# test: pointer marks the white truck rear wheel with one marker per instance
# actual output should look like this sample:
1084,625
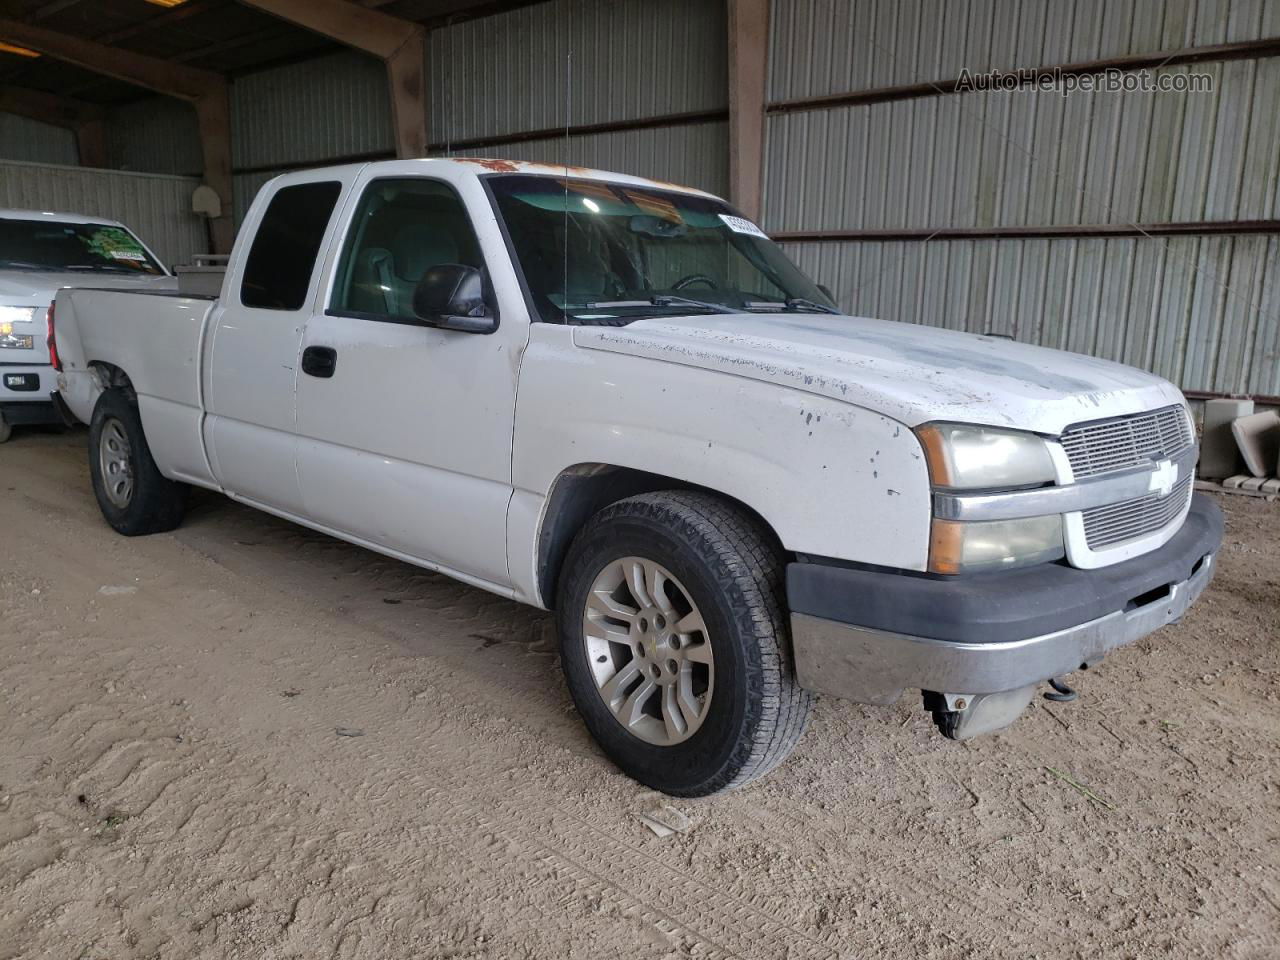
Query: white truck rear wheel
135,498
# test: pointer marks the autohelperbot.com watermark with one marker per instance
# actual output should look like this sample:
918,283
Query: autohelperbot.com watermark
1110,80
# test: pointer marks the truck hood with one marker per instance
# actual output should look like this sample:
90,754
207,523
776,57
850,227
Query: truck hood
911,373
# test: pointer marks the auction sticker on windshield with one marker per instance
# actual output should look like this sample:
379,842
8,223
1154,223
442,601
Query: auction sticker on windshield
115,244
742,225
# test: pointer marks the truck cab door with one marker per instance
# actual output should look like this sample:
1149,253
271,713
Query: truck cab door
404,429
250,431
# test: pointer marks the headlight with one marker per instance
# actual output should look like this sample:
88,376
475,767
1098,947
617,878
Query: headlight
8,317
956,547
966,457
17,314
962,456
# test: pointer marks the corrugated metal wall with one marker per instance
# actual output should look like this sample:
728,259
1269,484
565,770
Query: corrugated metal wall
32,142
306,114
1198,309
1202,311
500,76
309,112
820,47
1034,158
157,207
505,75
156,135
629,60
622,60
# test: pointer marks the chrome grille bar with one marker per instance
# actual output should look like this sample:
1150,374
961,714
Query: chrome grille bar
1108,526
1106,445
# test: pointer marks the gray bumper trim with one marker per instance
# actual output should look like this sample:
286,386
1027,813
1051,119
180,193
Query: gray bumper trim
873,666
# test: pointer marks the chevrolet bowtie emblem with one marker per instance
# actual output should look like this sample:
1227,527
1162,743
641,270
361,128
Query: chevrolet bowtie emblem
1163,477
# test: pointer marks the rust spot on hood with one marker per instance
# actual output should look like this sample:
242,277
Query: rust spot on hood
497,166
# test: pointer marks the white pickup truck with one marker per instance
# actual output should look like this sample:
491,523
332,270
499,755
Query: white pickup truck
618,399
41,252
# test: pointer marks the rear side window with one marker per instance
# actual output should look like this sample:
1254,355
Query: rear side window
284,251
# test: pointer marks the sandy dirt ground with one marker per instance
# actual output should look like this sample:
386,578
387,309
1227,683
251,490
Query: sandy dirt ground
173,783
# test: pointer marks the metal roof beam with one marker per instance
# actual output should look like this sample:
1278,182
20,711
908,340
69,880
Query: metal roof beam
401,44
47,107
163,76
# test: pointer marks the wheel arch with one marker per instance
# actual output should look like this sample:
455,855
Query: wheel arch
109,375
582,490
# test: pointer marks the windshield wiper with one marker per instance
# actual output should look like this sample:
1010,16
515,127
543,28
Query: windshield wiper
660,300
800,303
670,300
791,303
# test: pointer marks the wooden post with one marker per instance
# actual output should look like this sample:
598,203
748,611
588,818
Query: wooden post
91,143
406,82
748,71
213,111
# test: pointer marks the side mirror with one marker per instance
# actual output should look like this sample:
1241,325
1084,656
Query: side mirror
451,297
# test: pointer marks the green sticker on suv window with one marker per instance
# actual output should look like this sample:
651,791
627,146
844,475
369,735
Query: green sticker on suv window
112,243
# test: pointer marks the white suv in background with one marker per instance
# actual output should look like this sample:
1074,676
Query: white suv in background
39,253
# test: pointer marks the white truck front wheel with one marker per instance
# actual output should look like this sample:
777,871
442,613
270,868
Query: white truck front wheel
6,431
649,651
672,639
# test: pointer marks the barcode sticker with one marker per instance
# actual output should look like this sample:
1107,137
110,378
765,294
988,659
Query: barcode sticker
742,225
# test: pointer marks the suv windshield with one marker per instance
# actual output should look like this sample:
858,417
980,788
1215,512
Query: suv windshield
93,247
596,252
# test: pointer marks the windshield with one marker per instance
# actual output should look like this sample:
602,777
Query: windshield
594,252
90,247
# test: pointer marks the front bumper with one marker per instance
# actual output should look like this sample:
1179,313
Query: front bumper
868,635
27,395
24,394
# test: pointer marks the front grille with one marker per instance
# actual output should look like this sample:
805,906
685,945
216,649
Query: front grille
1107,445
1118,522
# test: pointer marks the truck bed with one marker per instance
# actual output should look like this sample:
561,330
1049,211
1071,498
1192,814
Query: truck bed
159,337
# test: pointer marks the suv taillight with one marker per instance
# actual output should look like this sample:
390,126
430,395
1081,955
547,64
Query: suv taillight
52,341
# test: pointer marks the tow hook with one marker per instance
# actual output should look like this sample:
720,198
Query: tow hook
1062,693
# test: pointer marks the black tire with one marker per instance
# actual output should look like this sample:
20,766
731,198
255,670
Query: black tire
6,431
156,504
733,571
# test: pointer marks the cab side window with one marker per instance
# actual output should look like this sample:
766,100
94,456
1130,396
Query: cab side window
283,256
401,229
